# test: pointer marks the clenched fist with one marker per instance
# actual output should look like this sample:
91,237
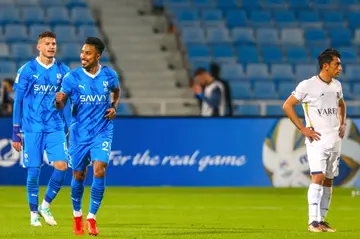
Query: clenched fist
60,97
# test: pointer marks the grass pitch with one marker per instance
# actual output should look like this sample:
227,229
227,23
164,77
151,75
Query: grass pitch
188,213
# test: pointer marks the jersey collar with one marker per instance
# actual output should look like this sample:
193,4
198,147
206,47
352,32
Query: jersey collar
91,75
43,65
319,77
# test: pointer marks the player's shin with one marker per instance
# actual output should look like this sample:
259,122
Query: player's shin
77,191
54,186
314,197
325,202
97,193
32,187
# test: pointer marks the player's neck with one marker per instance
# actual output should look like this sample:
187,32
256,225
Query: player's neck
325,77
45,60
93,70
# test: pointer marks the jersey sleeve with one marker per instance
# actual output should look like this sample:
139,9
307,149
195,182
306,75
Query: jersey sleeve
67,83
300,92
20,86
341,94
116,82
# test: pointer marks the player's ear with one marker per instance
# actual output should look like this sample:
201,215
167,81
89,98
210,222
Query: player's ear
98,56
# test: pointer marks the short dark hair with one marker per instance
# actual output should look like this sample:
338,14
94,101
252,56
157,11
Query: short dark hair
327,56
47,34
96,42
200,71
10,81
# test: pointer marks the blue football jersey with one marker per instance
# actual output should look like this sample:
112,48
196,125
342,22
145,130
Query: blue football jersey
35,91
90,98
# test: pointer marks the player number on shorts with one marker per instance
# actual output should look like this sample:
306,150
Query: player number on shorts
105,146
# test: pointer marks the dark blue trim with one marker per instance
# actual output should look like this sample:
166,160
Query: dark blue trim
317,172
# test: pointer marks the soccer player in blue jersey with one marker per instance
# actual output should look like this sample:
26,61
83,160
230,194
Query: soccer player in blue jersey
38,126
95,94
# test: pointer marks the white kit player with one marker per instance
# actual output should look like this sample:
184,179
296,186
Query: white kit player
325,114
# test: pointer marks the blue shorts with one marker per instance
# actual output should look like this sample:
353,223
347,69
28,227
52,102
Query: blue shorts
81,155
35,144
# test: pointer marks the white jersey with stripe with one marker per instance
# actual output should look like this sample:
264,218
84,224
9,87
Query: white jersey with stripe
320,102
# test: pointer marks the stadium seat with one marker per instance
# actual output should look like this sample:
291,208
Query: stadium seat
340,37
356,91
309,19
36,29
285,19
26,3
305,71
346,88
243,36
232,72
296,55
299,4
272,54
6,2
256,72
9,15
7,67
51,3
247,110
323,5
282,72
247,54
241,90
275,4
22,51
4,51
69,52
212,17
223,53
65,33
316,37
248,5
265,90
198,52
353,72
75,3
274,110
199,64
333,19
349,5
285,89
292,37
352,110
186,17
353,20
267,36
203,3
88,31
349,54
260,18
236,18
226,4
193,35
315,52
58,16
15,33
33,15
81,16
124,109
217,35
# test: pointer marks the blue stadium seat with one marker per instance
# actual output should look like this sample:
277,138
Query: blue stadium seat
186,17
292,37
353,19
243,36
247,110
88,31
198,51
232,72
333,19
203,3
316,37
124,109
265,90
75,3
349,5
346,89
26,3
275,4
69,52
226,4
65,33
340,37
250,4
309,19
193,35
305,71
105,56
58,16
241,90
256,72
267,36
272,54
353,72
299,4
15,33
247,54
260,18
34,31
217,35
9,15
194,64
285,89
274,110
352,110
349,55
236,18
285,19
22,51
296,55
324,5
51,3
356,91
6,2
81,16
7,67
282,72
223,53
212,17
4,51
33,15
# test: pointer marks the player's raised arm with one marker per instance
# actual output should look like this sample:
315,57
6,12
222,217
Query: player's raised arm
21,86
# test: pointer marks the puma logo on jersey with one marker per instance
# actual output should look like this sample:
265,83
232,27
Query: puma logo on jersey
36,76
82,86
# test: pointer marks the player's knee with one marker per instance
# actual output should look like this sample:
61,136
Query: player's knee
328,182
79,175
61,165
99,169
318,178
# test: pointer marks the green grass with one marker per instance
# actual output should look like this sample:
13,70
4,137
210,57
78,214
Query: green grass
188,213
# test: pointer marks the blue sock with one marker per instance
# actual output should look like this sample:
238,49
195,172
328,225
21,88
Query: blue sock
32,188
54,186
77,191
97,193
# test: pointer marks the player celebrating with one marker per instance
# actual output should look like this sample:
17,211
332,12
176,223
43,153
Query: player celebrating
41,124
89,88
325,114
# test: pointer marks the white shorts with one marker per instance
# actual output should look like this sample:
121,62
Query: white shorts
324,160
